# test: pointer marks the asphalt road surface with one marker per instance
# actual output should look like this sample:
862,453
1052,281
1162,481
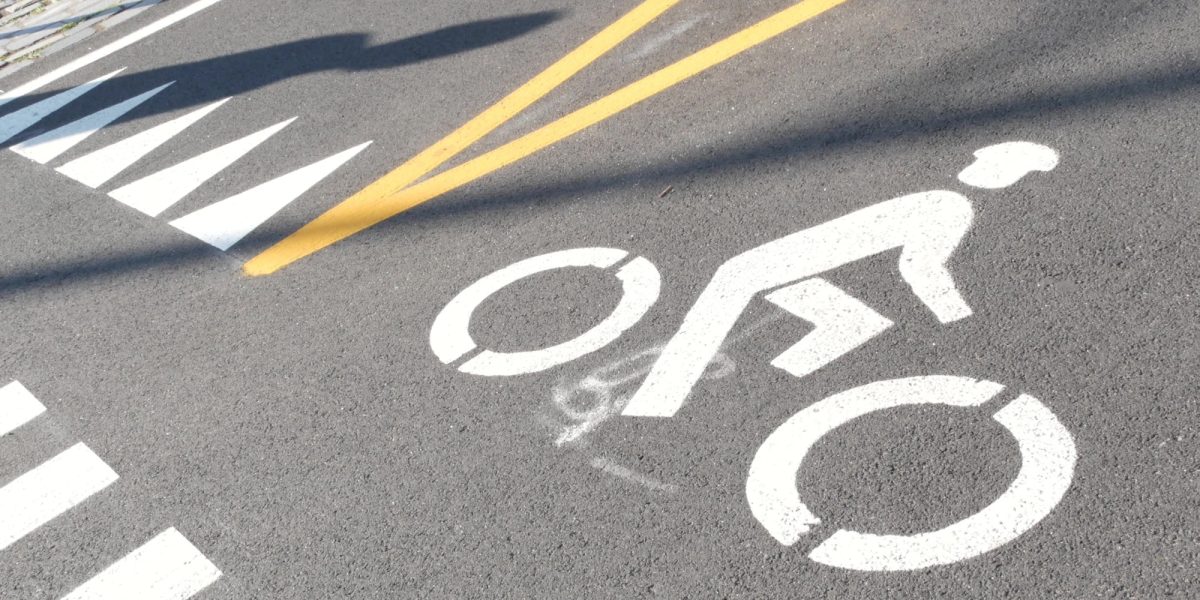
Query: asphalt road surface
900,299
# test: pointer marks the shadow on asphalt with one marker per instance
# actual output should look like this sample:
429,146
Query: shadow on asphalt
890,117
238,73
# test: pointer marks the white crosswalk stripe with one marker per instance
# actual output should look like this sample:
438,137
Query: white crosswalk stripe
17,407
225,223
167,567
48,146
18,121
95,169
59,484
155,193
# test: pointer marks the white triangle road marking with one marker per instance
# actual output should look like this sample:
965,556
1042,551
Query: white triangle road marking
20,120
155,193
95,169
48,146
225,223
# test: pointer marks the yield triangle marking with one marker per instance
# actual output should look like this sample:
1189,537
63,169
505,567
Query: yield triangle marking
48,146
95,169
225,223
155,193
18,121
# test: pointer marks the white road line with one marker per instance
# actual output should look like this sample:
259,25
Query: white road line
49,490
16,122
48,146
17,407
225,223
105,51
167,567
155,193
95,169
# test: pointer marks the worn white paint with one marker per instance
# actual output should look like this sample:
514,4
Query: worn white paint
451,339
1047,467
105,51
95,169
225,223
17,407
617,470
155,193
1002,165
54,487
771,484
20,120
927,227
167,567
842,323
48,146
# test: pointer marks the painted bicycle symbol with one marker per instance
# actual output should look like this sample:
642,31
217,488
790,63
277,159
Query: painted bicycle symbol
927,227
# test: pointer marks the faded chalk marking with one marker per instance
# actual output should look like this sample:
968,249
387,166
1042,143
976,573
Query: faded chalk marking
653,44
616,470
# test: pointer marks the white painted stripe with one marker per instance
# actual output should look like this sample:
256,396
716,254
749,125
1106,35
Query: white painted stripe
16,122
167,567
49,490
17,407
95,169
48,146
155,193
105,51
225,223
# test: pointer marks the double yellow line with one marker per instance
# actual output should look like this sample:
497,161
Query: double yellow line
395,193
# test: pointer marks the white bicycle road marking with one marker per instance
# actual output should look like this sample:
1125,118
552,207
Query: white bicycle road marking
166,568
1048,458
1047,468
927,227
451,339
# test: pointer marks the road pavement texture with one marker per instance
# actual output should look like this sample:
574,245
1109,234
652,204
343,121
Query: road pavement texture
933,196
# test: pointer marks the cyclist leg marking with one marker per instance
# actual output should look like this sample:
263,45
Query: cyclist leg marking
451,339
842,323
1047,467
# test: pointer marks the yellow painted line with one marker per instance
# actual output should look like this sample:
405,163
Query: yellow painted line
364,210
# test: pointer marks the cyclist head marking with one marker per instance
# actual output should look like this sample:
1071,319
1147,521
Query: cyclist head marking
1001,165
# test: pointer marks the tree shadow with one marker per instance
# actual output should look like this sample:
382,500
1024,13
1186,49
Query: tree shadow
238,73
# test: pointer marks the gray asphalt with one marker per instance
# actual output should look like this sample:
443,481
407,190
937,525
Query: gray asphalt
300,432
